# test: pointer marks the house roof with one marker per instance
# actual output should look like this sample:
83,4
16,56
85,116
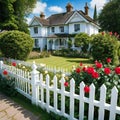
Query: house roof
62,18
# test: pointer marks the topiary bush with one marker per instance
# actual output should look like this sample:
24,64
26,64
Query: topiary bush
15,44
105,45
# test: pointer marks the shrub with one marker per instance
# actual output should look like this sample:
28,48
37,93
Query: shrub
82,40
7,86
15,44
105,45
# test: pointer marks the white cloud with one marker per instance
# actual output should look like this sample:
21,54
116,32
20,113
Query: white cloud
39,7
55,9
99,4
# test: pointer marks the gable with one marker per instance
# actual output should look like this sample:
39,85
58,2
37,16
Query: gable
76,17
35,22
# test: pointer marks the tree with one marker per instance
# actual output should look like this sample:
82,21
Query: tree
95,14
109,18
13,12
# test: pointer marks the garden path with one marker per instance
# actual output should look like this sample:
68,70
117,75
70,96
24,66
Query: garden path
9,110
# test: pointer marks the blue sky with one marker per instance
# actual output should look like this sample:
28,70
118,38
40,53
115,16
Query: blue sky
58,6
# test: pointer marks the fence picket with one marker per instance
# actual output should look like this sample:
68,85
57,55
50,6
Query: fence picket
55,93
102,102
81,101
72,92
114,96
91,102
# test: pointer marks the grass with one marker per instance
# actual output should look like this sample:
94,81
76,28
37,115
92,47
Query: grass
25,103
62,62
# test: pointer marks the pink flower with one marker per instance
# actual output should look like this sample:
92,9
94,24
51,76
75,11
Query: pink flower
117,70
107,71
115,33
66,84
5,72
78,70
86,89
95,75
108,60
14,64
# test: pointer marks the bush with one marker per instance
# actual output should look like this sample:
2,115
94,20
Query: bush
105,45
82,40
15,44
37,55
7,86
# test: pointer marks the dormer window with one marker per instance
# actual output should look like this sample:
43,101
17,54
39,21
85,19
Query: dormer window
35,30
61,28
53,29
76,27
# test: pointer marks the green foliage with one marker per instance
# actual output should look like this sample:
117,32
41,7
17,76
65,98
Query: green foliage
82,40
105,46
15,44
71,53
107,22
7,86
13,13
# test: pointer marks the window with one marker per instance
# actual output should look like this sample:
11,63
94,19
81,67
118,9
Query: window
36,30
76,27
36,43
62,29
53,29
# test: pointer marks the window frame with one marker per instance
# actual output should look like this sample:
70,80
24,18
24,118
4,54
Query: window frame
76,27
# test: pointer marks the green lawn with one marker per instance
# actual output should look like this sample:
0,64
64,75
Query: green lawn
62,62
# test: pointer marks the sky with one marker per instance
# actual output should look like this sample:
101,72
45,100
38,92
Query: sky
50,7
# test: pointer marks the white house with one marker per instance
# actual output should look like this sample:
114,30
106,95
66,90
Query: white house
54,32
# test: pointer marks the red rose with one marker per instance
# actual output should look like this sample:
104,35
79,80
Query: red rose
90,70
107,71
84,69
77,70
98,65
95,75
86,89
103,33
5,72
117,70
81,64
66,84
13,63
108,60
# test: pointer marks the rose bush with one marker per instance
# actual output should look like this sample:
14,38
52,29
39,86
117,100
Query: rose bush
97,74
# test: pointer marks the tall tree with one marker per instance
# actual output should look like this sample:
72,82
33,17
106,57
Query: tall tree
109,18
95,14
14,14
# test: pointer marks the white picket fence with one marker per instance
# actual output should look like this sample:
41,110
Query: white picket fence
42,66
38,90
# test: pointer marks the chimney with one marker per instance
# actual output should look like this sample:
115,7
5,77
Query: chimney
42,16
86,9
69,7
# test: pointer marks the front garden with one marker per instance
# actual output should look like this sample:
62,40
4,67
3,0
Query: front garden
99,65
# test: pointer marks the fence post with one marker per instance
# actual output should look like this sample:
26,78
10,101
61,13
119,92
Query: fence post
35,88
